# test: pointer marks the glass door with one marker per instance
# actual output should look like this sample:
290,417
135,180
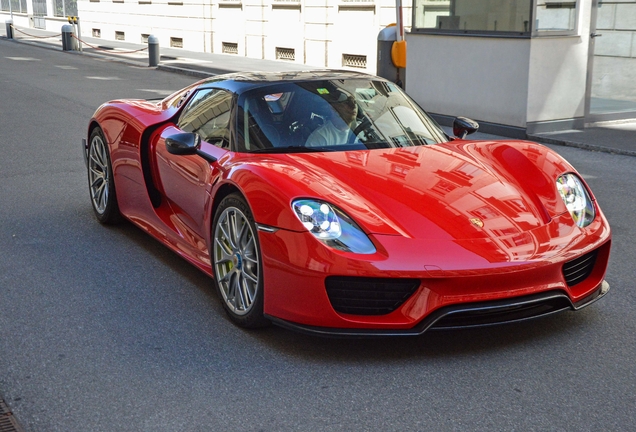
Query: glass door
611,83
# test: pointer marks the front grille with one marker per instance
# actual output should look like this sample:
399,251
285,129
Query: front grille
368,296
577,270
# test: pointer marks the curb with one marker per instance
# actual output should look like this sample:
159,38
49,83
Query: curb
190,72
576,144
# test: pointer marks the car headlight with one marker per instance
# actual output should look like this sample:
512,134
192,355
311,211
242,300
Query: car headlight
332,226
576,199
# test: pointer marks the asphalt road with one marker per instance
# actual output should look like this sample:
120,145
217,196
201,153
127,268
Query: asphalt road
104,329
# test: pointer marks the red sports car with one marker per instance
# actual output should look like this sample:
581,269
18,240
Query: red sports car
329,202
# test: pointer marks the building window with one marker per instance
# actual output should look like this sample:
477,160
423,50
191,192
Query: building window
120,36
519,18
63,8
144,38
555,16
176,42
229,48
353,60
17,6
97,33
285,54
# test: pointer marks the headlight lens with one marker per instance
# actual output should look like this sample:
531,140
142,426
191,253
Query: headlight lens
332,226
576,199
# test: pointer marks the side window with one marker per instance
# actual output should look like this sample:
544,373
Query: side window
208,115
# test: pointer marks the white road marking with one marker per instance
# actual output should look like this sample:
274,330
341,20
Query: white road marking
102,78
65,67
587,176
159,92
23,58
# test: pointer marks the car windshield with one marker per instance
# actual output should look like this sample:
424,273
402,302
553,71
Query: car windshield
331,115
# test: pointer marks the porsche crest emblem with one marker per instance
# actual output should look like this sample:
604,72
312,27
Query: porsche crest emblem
477,222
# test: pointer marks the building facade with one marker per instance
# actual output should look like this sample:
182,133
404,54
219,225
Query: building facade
324,33
516,65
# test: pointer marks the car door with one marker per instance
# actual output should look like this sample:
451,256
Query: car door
186,179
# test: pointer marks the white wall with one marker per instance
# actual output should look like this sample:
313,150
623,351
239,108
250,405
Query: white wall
163,18
319,31
478,77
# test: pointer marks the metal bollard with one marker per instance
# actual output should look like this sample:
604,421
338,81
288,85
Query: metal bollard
9,23
153,51
68,42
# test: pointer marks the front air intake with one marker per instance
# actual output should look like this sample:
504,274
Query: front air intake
577,270
368,296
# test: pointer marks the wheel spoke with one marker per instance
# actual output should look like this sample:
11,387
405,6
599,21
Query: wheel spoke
250,277
226,235
104,196
247,295
241,233
250,259
225,250
226,277
234,230
239,299
96,163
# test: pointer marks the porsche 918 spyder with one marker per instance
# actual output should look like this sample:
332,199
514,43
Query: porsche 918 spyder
331,203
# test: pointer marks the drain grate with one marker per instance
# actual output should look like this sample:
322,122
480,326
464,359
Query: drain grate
8,423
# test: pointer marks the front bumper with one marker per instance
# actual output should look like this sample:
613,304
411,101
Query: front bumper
469,315
454,277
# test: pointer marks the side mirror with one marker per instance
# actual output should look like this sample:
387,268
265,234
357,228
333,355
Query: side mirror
187,144
183,144
463,126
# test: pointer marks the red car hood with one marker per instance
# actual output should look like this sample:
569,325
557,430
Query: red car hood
455,191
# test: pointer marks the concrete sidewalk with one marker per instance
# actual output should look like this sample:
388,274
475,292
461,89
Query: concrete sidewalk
612,137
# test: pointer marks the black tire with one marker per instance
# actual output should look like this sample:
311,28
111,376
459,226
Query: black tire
236,262
101,185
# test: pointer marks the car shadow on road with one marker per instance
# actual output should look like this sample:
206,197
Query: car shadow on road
433,344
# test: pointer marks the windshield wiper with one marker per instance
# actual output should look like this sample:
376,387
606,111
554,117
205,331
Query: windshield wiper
292,149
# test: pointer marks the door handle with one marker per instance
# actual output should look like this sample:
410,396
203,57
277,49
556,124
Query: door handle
595,35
